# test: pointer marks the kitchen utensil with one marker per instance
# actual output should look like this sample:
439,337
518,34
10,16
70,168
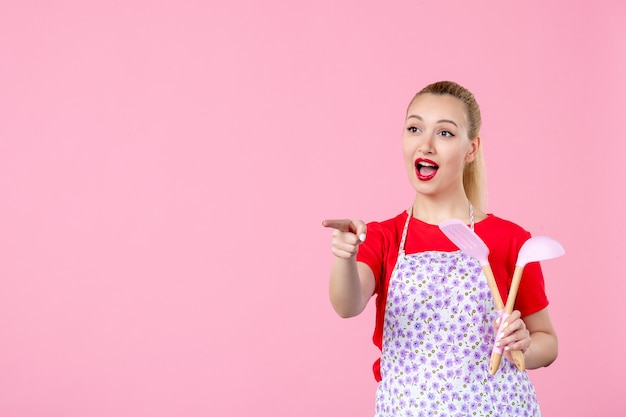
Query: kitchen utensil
537,248
470,243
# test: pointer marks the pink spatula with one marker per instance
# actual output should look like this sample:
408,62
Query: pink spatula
470,243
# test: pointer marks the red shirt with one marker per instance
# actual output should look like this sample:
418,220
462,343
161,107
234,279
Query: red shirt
503,238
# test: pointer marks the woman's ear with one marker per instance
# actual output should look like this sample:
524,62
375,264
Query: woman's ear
474,147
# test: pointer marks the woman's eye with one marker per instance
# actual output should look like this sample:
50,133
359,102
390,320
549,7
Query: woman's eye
446,133
412,129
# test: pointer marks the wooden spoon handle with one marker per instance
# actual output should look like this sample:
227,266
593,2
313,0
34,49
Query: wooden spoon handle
518,359
496,358
518,356
493,287
494,363
517,278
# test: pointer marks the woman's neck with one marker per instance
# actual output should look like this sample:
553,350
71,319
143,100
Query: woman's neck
434,211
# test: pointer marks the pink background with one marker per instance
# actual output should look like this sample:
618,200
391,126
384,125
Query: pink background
165,165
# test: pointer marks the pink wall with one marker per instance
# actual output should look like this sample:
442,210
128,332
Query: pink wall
164,167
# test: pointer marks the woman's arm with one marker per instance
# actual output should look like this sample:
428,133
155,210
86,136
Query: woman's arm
352,283
544,346
534,335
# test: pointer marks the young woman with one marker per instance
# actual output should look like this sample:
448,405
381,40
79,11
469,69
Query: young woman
435,317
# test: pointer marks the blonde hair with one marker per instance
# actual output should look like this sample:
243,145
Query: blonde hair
474,178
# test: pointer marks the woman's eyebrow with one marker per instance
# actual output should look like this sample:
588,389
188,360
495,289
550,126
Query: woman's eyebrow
447,121
438,121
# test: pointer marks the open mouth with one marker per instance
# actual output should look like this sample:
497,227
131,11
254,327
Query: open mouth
425,169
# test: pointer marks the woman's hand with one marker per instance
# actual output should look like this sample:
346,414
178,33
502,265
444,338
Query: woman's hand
513,334
352,283
346,237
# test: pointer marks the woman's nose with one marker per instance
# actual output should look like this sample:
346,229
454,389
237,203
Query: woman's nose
426,144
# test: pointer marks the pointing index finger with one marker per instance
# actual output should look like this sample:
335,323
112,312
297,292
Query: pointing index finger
344,225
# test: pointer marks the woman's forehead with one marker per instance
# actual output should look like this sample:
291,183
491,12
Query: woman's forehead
438,106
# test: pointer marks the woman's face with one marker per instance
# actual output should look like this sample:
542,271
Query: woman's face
436,145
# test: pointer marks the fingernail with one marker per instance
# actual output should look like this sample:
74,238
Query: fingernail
498,320
507,348
501,335
498,344
505,324
362,237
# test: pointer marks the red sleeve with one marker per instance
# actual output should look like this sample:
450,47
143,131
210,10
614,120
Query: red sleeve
371,252
380,249
380,252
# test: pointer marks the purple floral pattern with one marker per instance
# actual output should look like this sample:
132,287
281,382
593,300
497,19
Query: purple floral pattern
437,342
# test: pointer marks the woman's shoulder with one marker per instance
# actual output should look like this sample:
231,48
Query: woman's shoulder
498,229
382,240
387,231
390,225
493,222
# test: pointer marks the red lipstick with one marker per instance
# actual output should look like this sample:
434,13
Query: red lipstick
425,169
